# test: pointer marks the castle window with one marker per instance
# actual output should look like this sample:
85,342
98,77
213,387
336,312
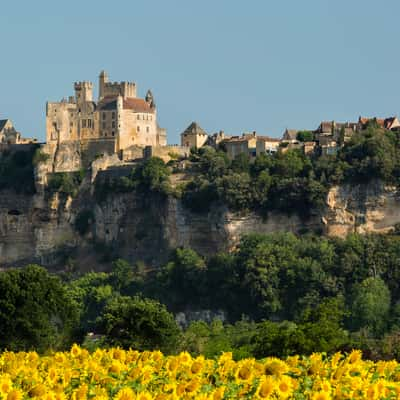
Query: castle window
104,125
113,124
138,116
113,115
113,133
138,128
147,129
104,115
89,123
84,123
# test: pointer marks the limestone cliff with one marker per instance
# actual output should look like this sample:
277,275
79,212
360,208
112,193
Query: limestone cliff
40,228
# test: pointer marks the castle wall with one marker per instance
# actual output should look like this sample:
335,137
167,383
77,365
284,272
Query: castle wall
91,149
134,131
108,123
166,153
60,122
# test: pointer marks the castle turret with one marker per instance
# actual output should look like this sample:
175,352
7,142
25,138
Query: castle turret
150,99
83,91
103,79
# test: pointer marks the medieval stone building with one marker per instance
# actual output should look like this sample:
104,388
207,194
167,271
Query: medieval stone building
117,121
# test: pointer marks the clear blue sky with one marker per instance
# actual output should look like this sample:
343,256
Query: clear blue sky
234,65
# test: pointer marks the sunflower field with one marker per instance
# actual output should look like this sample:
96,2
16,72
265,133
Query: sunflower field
128,375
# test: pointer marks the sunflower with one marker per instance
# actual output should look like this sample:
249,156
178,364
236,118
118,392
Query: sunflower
5,385
218,393
275,366
125,394
244,373
266,387
14,394
284,387
144,396
75,350
321,396
38,391
354,356
192,386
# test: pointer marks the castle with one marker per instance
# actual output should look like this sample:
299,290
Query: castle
116,122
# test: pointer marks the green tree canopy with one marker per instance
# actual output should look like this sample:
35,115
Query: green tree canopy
370,306
138,323
36,311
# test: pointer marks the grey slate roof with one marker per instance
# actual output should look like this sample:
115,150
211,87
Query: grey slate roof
3,123
195,129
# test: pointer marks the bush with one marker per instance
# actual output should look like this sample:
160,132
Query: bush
16,171
142,324
40,157
66,183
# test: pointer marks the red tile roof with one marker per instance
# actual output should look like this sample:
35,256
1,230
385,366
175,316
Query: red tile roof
137,105
383,123
134,104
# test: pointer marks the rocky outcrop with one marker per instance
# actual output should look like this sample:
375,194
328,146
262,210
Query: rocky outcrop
373,208
40,228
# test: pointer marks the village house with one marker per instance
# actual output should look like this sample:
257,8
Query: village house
194,136
267,145
391,123
245,144
9,135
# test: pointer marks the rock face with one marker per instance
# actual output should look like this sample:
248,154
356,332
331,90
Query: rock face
371,208
40,228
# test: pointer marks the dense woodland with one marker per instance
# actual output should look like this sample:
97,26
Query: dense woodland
282,294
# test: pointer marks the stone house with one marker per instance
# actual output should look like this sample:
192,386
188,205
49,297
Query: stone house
267,145
235,145
9,135
391,123
290,136
194,136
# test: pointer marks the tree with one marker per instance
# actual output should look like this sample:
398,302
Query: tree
36,311
91,292
235,190
305,136
153,175
139,323
370,306
122,274
371,154
185,275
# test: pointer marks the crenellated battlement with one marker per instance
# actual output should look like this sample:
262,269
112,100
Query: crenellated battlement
124,89
83,84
